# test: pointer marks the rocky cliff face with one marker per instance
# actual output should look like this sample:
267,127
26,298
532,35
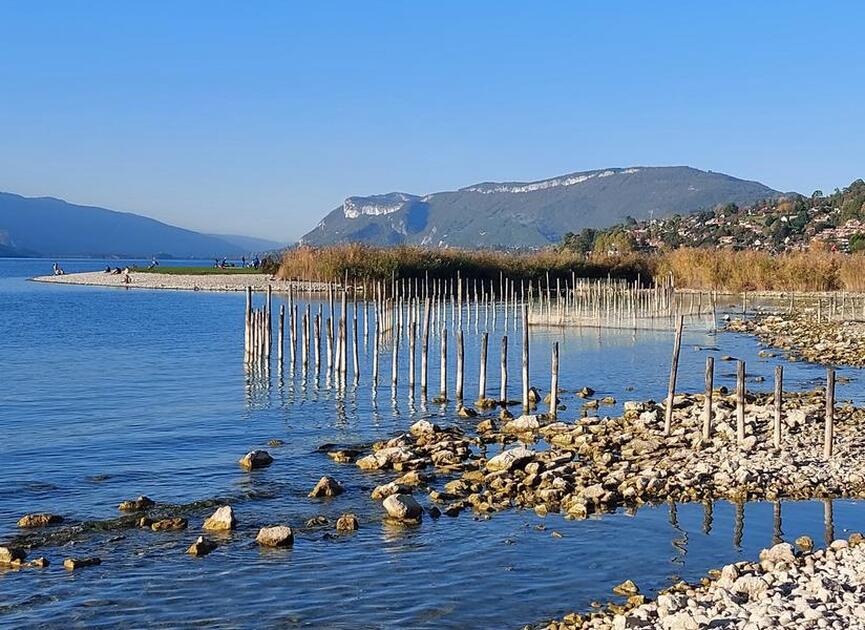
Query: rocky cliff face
530,214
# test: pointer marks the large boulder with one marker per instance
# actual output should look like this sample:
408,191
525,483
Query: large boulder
276,536
39,520
403,507
386,489
423,427
221,520
326,487
523,424
255,459
511,458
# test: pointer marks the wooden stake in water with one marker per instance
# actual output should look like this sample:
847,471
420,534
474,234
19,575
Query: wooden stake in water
316,336
443,372
503,393
674,369
554,381
779,393
424,349
375,357
740,401
525,359
707,401
412,333
394,366
482,374
829,428
460,367
280,337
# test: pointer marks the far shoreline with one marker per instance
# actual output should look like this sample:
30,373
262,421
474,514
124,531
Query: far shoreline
214,282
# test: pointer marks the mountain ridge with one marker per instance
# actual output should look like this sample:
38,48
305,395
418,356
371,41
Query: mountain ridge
530,213
51,227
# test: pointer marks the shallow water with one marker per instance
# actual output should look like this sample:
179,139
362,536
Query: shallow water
111,393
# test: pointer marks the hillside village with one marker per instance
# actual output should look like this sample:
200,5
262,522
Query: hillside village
782,224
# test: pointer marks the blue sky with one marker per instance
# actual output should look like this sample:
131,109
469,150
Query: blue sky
259,117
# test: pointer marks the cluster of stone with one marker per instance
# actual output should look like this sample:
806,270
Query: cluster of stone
786,588
826,342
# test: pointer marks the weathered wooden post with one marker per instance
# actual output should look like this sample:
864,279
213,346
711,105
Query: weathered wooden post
443,372
779,393
674,368
424,349
329,347
707,402
503,393
412,330
525,359
304,350
829,428
460,367
280,336
740,401
394,364
292,334
482,374
354,354
375,356
247,329
554,381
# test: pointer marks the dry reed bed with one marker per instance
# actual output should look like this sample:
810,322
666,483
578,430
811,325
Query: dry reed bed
707,269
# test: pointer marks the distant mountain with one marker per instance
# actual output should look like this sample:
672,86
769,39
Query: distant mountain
44,226
251,244
531,214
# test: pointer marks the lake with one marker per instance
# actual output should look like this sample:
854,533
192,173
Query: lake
107,394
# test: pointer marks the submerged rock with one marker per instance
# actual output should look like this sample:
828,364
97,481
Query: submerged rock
136,505
276,536
221,520
169,524
403,507
347,523
201,547
72,564
255,459
39,520
326,487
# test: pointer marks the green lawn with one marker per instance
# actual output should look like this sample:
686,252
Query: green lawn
200,271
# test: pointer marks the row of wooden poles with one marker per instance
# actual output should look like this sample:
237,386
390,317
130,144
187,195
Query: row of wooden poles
618,304
388,325
829,418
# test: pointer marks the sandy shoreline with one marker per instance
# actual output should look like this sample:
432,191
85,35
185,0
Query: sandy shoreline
210,282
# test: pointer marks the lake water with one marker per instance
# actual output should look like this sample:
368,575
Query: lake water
106,394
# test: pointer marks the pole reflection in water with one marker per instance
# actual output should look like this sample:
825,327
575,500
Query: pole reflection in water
739,525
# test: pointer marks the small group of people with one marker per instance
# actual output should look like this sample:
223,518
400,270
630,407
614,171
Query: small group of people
254,263
58,270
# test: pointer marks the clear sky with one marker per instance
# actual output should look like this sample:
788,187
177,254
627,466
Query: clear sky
259,117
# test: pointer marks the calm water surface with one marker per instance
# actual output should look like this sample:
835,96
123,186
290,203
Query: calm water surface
106,394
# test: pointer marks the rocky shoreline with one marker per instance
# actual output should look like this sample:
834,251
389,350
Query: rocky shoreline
801,337
601,464
494,462
786,588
